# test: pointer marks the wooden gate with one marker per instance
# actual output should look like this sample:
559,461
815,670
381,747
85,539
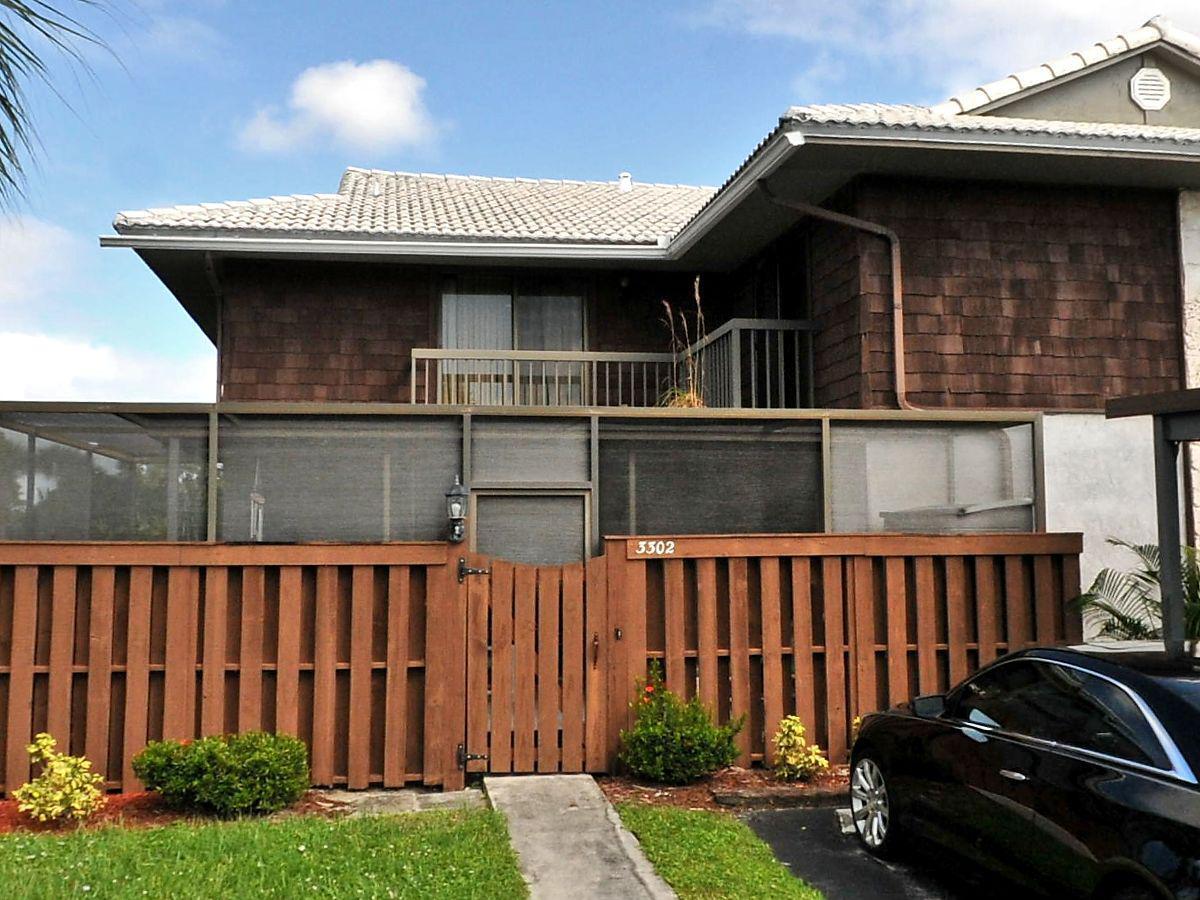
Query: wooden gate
537,656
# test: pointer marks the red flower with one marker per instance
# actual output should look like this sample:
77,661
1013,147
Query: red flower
649,689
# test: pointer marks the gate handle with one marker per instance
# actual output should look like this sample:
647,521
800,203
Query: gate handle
595,649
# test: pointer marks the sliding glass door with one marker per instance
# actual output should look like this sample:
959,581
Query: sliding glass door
502,313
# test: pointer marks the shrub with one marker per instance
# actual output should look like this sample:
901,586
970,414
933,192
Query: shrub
67,788
673,742
795,758
233,774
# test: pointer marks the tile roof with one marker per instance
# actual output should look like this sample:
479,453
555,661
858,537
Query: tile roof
923,118
1159,29
378,204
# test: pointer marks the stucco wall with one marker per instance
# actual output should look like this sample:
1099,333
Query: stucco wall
1100,481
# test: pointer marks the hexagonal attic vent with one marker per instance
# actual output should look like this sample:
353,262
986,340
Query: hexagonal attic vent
1150,89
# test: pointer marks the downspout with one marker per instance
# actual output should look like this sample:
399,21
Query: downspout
893,239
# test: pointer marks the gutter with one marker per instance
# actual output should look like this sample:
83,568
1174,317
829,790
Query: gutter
343,247
893,239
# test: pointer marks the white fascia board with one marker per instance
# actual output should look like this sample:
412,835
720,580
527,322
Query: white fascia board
745,182
350,247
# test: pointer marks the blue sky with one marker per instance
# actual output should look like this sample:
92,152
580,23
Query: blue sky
211,100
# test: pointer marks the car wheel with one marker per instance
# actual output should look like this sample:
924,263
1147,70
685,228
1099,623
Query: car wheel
872,808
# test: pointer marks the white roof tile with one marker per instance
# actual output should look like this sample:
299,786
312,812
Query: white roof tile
406,205
1158,29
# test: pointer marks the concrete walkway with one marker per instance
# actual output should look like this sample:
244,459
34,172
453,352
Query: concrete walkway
570,842
393,802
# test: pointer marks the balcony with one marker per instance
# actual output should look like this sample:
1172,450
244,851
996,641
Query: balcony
744,364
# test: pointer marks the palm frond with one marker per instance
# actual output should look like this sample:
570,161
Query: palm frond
28,28
1127,605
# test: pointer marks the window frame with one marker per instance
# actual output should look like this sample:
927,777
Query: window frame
519,284
1178,766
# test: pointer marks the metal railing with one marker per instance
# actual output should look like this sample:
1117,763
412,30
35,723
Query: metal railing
745,363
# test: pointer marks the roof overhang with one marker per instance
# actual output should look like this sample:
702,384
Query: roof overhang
805,161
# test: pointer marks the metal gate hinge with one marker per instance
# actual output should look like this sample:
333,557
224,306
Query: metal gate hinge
464,570
464,757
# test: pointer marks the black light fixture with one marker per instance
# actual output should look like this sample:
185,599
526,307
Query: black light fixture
456,510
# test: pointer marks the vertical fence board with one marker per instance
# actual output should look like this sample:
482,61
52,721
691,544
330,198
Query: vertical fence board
896,594
250,664
99,672
986,608
212,679
548,695
1071,588
287,662
180,673
832,595
956,617
325,675
1018,603
500,750
802,643
20,676
673,610
865,686
62,650
396,678
927,670
595,689
525,606
362,597
1045,598
137,671
706,630
739,652
445,676
772,657
477,670
572,668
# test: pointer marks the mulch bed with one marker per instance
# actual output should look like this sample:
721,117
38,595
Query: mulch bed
144,809
733,788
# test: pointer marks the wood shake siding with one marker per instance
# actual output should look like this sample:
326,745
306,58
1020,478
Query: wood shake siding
323,331
1019,296
838,341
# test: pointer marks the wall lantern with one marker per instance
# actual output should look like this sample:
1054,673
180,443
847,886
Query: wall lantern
456,510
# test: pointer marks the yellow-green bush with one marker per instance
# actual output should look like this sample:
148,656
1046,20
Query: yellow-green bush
67,788
795,758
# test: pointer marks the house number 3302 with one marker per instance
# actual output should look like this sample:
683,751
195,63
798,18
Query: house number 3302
656,548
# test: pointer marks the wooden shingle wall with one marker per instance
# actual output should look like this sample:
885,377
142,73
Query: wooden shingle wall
323,330
1021,296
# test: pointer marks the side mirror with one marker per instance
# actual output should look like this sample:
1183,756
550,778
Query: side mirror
930,706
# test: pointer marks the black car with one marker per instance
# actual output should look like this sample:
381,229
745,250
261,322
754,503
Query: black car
1072,772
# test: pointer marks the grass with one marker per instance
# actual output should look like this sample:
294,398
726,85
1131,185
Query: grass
710,855
431,854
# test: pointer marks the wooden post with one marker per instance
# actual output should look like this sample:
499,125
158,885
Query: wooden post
1166,480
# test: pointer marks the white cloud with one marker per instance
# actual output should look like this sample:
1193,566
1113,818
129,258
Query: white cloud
371,106
948,45
39,366
38,263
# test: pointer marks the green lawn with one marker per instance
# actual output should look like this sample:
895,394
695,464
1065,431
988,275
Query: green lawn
710,855
431,854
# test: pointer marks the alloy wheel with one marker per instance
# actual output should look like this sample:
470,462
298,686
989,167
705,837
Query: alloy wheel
869,803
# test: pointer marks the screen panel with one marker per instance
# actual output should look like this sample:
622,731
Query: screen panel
350,478
709,478
944,478
531,528
103,476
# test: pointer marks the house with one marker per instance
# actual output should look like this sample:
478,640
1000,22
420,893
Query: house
956,288
889,322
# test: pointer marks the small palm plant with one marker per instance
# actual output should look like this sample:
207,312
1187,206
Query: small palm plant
1127,605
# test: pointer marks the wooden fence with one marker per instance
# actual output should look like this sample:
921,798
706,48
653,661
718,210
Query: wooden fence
395,668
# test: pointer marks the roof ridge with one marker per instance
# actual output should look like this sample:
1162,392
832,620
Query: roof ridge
1158,29
506,179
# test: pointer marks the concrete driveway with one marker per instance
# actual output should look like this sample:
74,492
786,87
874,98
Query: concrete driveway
811,843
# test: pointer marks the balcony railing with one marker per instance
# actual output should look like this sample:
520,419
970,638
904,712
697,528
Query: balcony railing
757,363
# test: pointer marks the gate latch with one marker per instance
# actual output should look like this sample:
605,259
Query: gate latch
464,570
464,757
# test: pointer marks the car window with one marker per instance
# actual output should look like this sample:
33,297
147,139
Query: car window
1060,704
